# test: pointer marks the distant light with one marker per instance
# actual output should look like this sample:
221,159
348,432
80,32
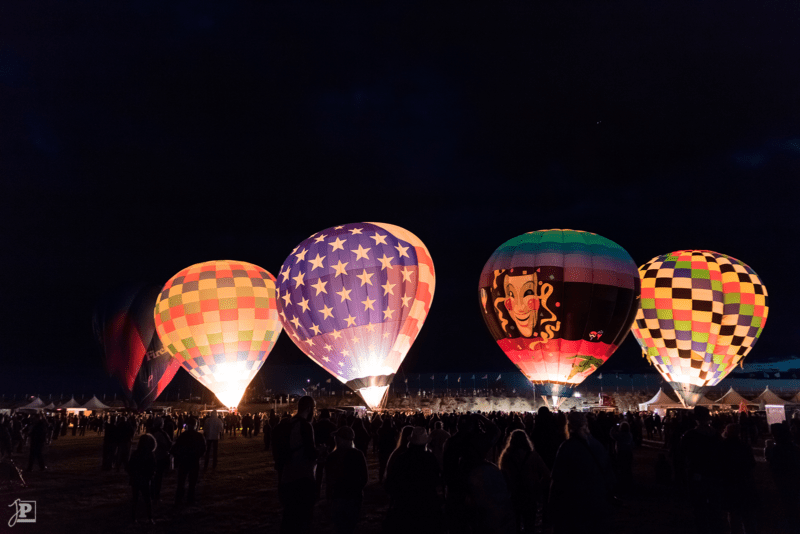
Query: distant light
577,394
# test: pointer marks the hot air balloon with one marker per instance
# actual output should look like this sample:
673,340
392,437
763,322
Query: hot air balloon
701,314
559,303
353,298
220,320
133,354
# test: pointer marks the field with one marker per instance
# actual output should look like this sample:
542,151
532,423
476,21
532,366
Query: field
75,496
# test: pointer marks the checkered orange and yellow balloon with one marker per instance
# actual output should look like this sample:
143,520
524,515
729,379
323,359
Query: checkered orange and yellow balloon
220,319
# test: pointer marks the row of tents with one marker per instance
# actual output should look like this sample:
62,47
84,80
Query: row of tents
37,404
730,399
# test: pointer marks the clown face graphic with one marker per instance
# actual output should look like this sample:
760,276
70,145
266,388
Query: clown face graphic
522,302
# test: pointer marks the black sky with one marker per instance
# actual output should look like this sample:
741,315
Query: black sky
138,139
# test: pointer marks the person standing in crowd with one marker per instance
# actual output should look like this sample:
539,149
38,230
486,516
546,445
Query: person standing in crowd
623,454
784,462
299,454
38,437
347,475
163,446
411,481
188,449
169,427
699,449
527,477
212,430
387,441
141,468
739,495
436,441
323,437
581,461
256,424
125,430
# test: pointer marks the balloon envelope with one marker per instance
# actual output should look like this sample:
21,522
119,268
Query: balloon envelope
559,303
220,320
133,353
353,298
701,314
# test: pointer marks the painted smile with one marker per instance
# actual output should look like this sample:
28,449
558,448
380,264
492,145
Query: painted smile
522,319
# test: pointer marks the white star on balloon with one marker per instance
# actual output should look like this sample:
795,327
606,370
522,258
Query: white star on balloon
368,304
298,280
337,245
340,268
370,327
379,239
304,304
320,287
320,238
406,275
287,299
285,274
386,262
336,334
401,250
317,262
315,329
326,311
405,301
361,252
350,320
296,322
388,289
355,231
344,293
387,313
365,277
301,255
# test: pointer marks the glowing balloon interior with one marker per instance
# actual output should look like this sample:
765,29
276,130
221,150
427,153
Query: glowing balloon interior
220,319
559,303
353,298
133,353
701,314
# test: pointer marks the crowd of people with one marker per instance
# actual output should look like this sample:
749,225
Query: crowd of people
453,472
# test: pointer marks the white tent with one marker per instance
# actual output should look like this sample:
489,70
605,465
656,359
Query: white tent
50,406
71,403
661,400
705,402
731,398
95,404
35,404
768,397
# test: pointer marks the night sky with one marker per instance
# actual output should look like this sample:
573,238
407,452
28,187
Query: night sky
137,140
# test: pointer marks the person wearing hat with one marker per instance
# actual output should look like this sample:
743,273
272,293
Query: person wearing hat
412,483
346,470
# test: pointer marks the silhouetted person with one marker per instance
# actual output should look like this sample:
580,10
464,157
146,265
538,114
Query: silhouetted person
297,486
212,430
411,481
784,462
141,470
163,446
188,449
738,481
700,452
387,441
124,432
38,437
526,475
346,469
436,441
623,454
362,435
581,461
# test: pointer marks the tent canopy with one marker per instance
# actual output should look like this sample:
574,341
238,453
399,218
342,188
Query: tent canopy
660,400
35,404
731,398
95,404
71,403
768,397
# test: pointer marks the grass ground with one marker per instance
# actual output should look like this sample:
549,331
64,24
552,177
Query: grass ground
73,496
